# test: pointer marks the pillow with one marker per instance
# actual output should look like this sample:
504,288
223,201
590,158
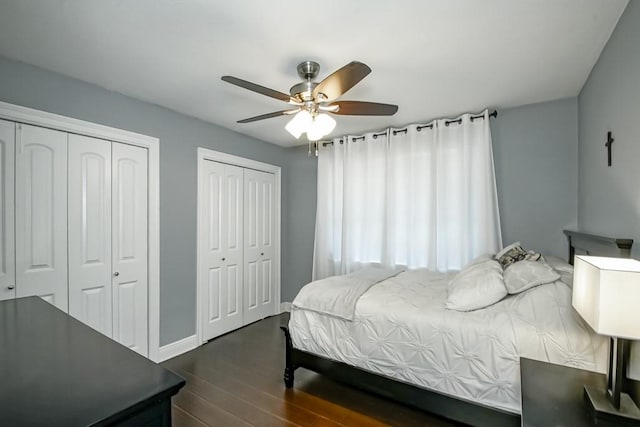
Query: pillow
562,267
514,253
507,249
476,286
558,264
533,256
523,275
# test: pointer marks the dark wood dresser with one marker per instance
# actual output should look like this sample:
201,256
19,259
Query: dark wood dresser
56,371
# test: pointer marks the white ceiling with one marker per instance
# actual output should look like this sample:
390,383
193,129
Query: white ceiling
433,58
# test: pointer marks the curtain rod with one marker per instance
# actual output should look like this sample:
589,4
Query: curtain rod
493,114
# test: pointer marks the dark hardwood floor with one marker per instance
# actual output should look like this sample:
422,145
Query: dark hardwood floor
236,380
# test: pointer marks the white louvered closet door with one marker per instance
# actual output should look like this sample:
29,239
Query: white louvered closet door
259,234
41,222
221,253
130,246
7,240
90,299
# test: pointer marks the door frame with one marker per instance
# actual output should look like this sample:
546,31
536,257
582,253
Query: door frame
30,116
205,154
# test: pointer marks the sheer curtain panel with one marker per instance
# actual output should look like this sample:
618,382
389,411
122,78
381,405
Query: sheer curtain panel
424,196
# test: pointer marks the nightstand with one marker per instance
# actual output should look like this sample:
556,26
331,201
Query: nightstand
553,395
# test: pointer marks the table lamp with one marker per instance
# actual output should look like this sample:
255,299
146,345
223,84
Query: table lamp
606,293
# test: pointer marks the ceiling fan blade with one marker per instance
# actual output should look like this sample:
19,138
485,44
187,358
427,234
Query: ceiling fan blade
257,88
269,116
359,108
342,80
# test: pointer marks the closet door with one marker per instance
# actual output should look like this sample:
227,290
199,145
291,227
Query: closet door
129,246
41,220
7,240
221,248
90,232
259,264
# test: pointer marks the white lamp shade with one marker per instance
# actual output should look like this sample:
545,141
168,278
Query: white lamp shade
606,293
299,124
322,125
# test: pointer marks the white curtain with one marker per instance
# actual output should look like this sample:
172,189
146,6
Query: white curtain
424,196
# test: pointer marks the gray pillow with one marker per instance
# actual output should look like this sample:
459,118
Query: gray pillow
523,275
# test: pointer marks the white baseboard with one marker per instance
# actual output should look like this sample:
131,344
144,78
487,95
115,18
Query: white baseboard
186,344
176,348
285,307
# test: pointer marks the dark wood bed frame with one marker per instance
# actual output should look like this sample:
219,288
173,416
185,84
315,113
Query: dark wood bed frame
447,406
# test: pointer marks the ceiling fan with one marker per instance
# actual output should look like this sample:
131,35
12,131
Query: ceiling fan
312,101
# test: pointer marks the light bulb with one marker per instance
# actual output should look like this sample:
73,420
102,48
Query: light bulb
322,125
299,124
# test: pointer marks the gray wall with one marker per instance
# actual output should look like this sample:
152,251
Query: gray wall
303,173
535,148
179,135
609,197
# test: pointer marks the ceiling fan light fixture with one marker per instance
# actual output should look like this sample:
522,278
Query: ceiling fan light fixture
322,125
299,124
313,100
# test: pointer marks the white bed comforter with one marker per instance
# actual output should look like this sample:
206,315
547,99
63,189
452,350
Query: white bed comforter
339,295
402,330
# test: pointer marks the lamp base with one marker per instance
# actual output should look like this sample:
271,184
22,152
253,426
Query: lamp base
603,410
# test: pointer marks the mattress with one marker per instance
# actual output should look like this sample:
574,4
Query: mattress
402,330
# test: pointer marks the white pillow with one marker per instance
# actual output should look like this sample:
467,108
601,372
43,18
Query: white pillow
558,264
523,275
562,267
476,286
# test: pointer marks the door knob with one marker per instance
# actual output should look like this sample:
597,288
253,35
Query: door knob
116,274
11,287
261,253
223,259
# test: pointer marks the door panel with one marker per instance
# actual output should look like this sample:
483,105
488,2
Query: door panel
259,223
7,227
90,232
251,277
267,283
211,265
129,216
214,287
41,227
233,242
126,319
220,255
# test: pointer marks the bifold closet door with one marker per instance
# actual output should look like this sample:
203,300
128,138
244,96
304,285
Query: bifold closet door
221,248
259,230
90,232
7,240
130,246
41,220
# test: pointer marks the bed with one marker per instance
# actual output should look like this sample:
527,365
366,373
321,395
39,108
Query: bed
403,344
